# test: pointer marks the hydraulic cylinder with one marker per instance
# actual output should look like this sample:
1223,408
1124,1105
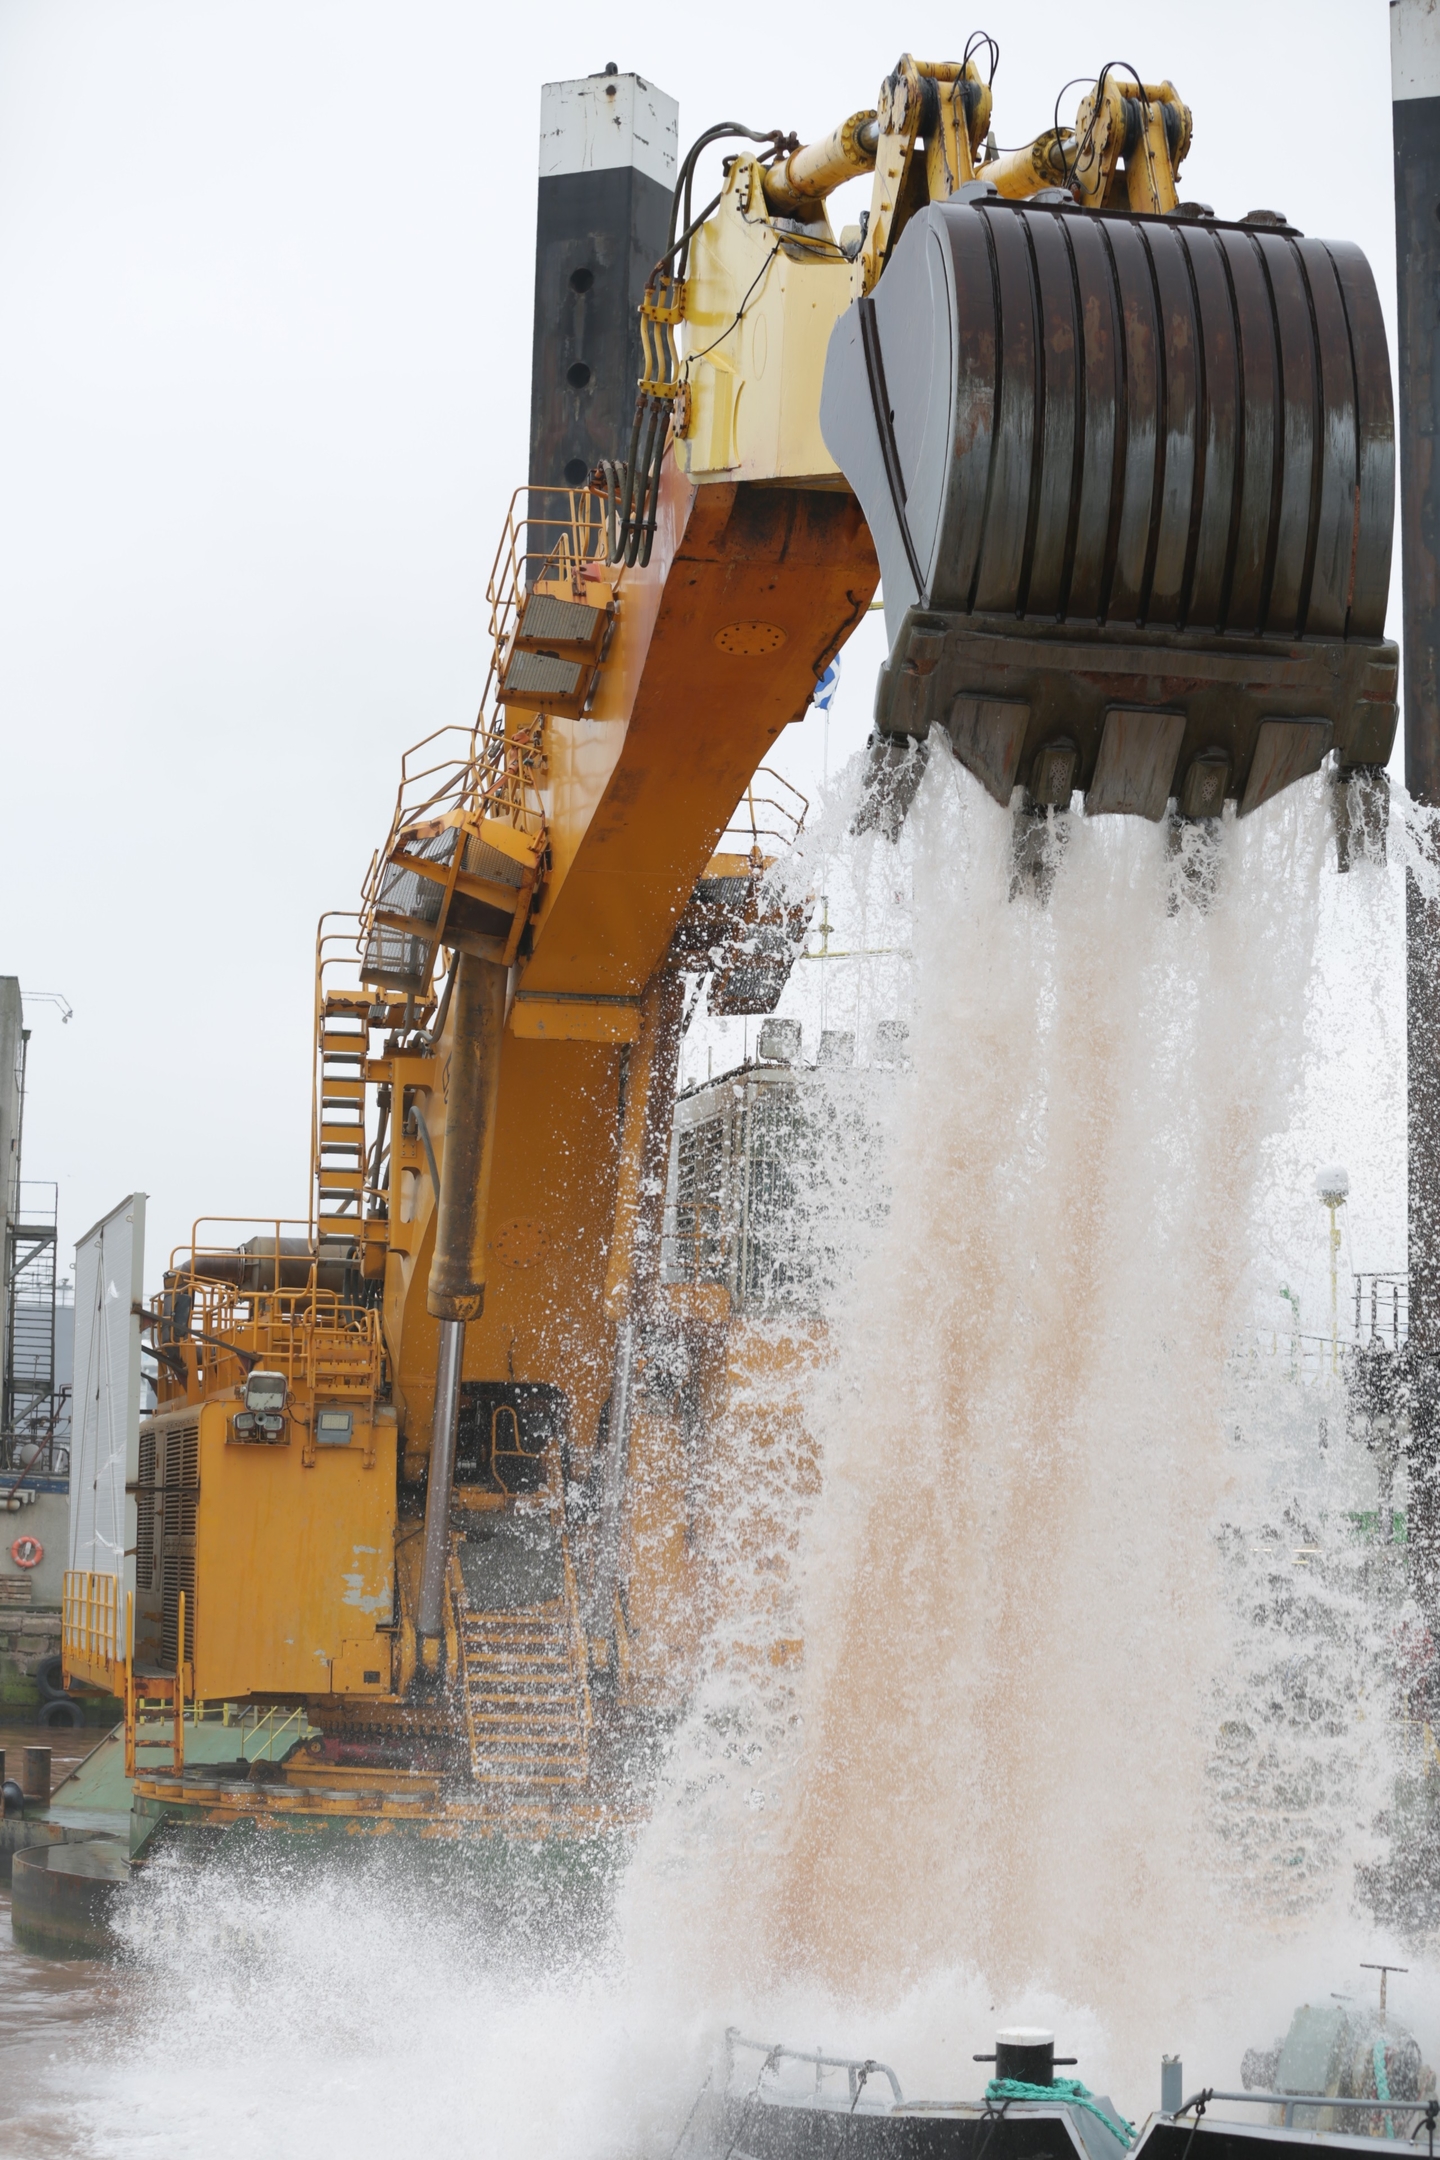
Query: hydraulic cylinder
456,1291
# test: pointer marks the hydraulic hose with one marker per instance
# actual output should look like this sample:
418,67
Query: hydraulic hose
633,489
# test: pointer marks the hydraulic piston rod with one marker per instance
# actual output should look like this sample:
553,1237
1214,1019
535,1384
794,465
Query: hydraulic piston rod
808,175
457,1272
429,1617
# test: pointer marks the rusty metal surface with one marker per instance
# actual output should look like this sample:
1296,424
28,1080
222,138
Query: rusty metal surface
1112,460
1069,678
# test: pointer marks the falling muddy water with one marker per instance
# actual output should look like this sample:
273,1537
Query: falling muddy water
1060,1749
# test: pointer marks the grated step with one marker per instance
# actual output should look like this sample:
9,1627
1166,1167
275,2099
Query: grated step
533,1660
517,1756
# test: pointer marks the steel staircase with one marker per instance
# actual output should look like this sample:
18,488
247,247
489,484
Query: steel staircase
342,1038
527,1704
553,654
342,1365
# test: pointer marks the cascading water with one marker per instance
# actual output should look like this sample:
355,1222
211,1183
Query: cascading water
1072,1736
1021,1629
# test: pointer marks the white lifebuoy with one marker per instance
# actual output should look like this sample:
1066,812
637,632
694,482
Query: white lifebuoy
27,1552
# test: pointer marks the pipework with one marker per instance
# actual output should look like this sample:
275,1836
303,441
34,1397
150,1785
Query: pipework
802,181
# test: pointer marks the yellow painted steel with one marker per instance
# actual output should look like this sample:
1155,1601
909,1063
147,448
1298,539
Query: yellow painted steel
1146,179
760,303
903,181
801,181
320,1520
1040,164
538,1017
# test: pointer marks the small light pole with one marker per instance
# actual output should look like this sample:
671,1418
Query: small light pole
1333,1189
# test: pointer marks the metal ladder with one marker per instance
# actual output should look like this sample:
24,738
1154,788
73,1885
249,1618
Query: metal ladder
527,1699
338,1159
154,1709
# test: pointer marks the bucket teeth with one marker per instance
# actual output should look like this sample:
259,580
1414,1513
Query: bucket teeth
894,767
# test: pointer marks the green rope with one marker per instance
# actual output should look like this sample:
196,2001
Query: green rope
1382,2085
1070,2092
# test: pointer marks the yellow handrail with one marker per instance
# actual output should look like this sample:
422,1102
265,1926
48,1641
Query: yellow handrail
180,1690
130,1683
90,1627
272,1730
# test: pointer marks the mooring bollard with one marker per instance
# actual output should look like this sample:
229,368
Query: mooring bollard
35,1778
1172,2084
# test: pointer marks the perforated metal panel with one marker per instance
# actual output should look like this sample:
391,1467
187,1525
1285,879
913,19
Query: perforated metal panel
176,1502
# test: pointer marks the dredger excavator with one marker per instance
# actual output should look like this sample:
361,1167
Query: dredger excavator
428,1487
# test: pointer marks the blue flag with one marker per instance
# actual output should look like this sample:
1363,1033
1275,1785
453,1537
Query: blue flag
828,684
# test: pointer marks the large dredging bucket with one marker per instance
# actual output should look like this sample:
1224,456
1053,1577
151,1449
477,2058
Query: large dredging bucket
1131,480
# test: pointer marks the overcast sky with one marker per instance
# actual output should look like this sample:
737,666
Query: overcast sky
265,273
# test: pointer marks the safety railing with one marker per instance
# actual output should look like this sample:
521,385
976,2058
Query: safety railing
457,770
1378,1320
271,1308
289,1331
185,1259
333,949
92,1629
1376,2104
771,809
452,780
1382,1309
859,2071
553,538
450,785
1312,1361
262,1730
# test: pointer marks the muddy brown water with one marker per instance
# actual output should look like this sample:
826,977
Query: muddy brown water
46,2006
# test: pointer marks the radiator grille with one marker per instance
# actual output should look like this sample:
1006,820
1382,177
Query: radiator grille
145,1513
176,1502
700,1203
